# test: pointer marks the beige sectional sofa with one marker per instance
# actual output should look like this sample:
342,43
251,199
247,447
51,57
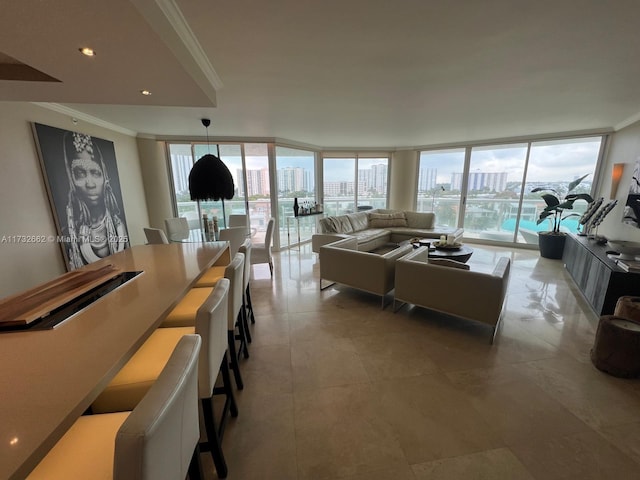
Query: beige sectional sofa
375,228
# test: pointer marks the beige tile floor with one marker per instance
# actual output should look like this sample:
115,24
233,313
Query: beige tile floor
337,388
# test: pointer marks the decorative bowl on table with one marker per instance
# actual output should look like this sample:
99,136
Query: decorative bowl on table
420,242
447,246
628,250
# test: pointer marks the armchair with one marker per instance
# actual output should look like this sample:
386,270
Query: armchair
342,262
456,291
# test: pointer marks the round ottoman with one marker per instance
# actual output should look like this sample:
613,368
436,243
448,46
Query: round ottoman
616,349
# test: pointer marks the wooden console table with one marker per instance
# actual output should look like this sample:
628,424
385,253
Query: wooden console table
597,276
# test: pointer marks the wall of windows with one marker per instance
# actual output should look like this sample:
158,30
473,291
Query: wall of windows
487,188
249,167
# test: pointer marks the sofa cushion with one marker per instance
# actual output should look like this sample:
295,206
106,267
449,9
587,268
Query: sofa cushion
340,224
344,224
359,221
420,219
386,220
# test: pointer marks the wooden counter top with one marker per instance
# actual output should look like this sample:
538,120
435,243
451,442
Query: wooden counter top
49,378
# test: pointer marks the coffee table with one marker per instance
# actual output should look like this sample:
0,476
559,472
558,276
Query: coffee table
462,254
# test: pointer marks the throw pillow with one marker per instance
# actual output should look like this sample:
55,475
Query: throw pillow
387,220
420,219
327,226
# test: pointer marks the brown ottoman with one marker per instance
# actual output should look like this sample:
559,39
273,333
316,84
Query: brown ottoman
616,349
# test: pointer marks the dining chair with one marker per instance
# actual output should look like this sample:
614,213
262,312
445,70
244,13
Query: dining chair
183,314
158,440
262,252
177,228
235,236
239,220
129,385
155,236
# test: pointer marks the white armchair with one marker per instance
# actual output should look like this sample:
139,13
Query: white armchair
342,262
455,291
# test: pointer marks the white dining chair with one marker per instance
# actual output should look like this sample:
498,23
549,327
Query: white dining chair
177,228
235,236
155,236
261,252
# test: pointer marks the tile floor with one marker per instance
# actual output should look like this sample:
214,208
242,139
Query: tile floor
337,388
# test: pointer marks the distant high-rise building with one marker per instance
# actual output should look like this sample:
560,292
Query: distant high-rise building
338,189
373,179
427,179
293,179
257,182
181,167
481,181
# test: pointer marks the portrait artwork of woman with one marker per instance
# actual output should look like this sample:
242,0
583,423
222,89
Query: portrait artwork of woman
94,222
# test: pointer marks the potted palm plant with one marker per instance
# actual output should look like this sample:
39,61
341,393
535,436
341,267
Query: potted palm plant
551,243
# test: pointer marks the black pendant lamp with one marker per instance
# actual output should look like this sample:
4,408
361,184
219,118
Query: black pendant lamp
210,179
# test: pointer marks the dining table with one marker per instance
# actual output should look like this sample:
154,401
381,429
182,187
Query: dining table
50,377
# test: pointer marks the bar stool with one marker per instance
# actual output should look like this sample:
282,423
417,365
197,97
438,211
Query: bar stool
246,249
155,440
184,314
130,384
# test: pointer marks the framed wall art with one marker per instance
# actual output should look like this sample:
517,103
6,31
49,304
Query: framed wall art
81,176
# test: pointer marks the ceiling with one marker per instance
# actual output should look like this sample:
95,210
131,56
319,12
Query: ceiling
332,73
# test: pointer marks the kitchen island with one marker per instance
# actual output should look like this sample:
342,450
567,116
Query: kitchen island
48,378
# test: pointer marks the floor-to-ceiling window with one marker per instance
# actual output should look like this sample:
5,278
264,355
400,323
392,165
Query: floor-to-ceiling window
295,179
258,188
439,188
494,187
354,182
554,164
487,188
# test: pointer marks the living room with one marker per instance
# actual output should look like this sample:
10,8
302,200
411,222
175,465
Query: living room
325,364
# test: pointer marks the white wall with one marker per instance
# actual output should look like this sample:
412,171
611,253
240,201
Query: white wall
624,148
24,204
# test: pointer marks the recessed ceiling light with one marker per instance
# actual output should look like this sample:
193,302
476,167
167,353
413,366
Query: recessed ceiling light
145,92
89,52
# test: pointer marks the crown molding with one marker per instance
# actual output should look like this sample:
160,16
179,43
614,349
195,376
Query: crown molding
56,107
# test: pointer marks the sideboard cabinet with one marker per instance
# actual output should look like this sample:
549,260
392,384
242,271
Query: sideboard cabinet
597,276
